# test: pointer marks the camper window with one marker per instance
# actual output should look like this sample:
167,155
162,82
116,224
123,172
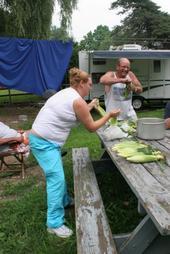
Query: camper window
96,77
99,62
157,66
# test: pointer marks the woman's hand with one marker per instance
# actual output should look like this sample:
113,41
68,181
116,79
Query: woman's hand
93,103
114,113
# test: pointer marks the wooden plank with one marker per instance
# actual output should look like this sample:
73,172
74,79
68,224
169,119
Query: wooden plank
93,232
159,170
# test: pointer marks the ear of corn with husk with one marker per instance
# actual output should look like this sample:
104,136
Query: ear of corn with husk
102,112
137,152
143,158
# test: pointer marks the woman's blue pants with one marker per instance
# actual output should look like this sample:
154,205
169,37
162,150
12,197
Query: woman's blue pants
48,155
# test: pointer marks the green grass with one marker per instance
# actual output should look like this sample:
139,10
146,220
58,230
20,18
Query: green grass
23,203
151,113
15,96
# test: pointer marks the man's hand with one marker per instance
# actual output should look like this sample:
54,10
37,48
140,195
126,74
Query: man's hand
126,80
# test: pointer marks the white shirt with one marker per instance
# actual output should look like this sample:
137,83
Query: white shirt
57,116
7,132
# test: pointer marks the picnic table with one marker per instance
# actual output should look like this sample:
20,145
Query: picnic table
150,183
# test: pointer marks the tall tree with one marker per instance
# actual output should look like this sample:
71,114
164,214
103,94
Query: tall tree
144,23
59,33
100,39
32,19
66,8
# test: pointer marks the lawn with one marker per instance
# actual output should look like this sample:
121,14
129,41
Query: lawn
14,96
23,202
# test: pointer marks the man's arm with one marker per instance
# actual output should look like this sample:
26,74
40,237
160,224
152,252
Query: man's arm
109,78
135,84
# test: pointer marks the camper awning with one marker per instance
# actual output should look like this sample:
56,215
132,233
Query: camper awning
142,54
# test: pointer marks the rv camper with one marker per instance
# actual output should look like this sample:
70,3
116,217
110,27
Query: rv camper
152,67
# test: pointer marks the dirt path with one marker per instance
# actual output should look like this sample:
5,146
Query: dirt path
11,115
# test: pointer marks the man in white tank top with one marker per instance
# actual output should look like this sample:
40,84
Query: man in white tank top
119,86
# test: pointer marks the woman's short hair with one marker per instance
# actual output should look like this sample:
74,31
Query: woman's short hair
76,75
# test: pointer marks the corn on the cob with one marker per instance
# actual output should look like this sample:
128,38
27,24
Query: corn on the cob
143,158
102,112
137,152
127,152
126,92
128,144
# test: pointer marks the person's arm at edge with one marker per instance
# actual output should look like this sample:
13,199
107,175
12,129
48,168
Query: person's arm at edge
10,140
82,112
167,123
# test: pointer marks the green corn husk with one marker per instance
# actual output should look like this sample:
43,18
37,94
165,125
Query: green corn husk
102,112
127,152
128,144
126,93
137,152
143,158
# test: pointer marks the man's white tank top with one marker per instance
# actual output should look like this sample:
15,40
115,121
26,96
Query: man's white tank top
119,98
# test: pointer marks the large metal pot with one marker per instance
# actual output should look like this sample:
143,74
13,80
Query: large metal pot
151,128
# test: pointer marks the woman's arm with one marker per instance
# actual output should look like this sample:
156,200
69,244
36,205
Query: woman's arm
82,112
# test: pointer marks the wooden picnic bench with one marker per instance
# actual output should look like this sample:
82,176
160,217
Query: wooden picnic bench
16,163
150,182
92,229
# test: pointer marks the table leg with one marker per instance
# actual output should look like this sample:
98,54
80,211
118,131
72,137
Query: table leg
140,238
141,209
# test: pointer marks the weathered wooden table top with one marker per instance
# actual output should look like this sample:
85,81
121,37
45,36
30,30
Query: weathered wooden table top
150,182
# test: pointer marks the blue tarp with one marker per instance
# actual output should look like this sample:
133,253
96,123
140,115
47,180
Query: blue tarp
33,66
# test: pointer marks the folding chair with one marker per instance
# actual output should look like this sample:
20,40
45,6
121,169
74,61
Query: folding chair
6,166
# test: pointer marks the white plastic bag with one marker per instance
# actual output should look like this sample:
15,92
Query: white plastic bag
113,132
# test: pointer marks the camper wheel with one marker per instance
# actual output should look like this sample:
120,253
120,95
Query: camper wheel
137,103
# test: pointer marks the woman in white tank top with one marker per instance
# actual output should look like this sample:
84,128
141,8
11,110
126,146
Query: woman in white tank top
49,133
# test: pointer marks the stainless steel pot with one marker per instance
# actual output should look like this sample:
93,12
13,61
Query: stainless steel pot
150,128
